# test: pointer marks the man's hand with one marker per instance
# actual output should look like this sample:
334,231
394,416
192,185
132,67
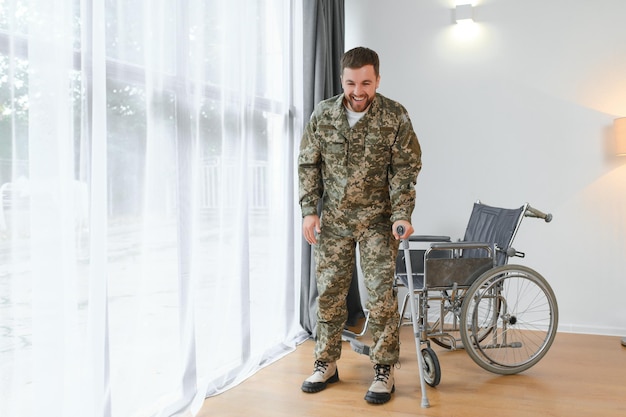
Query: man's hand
408,229
311,226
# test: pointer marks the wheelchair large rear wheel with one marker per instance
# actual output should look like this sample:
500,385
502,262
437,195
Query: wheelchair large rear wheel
515,308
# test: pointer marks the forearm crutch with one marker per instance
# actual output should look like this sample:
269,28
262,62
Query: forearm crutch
417,326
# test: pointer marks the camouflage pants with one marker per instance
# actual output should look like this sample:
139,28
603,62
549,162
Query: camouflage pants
335,259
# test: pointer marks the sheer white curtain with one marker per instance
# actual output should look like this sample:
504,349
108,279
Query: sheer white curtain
147,216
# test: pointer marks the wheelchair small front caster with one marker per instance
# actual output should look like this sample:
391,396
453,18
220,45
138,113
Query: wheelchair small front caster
432,368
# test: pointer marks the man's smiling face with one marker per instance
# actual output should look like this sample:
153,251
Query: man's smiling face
359,87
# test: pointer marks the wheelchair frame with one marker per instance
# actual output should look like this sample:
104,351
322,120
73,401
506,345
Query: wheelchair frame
467,296
504,315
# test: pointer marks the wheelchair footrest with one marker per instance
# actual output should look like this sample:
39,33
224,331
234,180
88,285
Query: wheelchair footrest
359,347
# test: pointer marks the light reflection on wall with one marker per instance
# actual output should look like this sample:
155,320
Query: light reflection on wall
466,31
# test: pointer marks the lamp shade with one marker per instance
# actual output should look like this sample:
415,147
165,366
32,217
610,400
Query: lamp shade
619,128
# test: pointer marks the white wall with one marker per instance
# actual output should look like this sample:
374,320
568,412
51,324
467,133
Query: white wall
521,111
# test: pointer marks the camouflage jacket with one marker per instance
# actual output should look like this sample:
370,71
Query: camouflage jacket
365,174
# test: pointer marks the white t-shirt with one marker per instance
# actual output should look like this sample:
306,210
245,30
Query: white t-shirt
353,116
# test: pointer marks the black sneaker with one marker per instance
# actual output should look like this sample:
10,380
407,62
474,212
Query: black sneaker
383,386
324,373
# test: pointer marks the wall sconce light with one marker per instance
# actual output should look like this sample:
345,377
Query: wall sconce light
463,13
619,128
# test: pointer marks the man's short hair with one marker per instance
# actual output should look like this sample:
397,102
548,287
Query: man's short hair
359,57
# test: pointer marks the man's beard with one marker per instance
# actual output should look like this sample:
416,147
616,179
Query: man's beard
359,106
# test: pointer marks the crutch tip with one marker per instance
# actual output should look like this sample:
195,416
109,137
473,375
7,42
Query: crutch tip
425,403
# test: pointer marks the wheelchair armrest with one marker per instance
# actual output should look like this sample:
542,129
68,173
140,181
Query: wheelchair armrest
460,245
428,238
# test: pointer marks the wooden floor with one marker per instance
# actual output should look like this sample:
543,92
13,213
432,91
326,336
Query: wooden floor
582,375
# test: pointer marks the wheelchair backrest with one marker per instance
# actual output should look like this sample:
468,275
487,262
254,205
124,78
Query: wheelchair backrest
492,225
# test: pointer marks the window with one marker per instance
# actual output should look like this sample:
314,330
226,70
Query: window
145,166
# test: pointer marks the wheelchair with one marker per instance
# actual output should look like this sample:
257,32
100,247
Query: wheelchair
465,295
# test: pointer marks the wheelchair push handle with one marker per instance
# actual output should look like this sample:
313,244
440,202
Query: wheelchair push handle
533,212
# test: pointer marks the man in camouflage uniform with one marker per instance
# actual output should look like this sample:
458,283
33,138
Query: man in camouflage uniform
360,155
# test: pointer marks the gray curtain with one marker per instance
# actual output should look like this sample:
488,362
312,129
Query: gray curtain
323,48
323,32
